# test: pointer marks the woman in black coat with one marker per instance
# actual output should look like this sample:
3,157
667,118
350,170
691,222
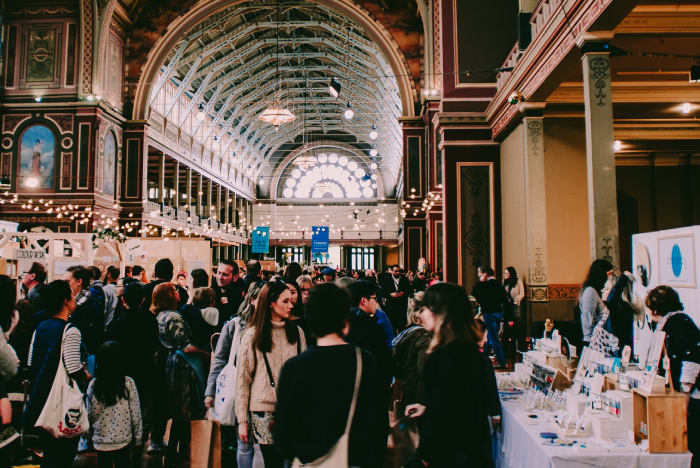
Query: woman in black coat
455,427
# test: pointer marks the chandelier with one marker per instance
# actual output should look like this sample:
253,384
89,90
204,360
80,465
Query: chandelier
276,114
321,187
305,162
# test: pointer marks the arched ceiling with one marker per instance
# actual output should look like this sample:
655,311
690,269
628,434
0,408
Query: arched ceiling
231,64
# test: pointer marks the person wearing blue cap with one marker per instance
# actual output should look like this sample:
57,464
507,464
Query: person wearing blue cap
328,275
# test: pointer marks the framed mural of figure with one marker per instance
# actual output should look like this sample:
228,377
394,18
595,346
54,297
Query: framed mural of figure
109,165
36,162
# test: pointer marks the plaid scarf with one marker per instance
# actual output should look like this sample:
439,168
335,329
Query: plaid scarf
82,297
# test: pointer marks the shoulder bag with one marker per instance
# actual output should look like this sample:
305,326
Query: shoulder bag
64,414
225,397
337,456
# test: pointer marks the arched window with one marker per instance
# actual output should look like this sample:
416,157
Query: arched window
329,176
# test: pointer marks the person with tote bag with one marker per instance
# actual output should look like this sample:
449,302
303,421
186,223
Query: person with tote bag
55,404
221,384
271,340
331,403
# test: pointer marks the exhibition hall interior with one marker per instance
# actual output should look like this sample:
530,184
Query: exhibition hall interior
535,141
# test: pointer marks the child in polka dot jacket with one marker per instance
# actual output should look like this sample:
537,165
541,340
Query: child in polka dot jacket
113,410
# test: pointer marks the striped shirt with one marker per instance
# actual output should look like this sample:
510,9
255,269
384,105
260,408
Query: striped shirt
71,350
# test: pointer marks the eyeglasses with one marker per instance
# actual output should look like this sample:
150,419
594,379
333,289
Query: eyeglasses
372,297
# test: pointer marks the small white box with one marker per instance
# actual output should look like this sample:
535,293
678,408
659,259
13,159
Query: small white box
576,404
521,368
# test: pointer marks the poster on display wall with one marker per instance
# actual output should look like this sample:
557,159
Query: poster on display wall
261,240
319,240
677,261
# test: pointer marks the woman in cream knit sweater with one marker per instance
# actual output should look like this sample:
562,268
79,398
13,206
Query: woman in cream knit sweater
260,360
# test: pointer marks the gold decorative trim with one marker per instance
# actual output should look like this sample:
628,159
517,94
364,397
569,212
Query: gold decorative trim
565,292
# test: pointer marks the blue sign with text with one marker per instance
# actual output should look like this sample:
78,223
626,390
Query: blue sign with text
261,240
319,239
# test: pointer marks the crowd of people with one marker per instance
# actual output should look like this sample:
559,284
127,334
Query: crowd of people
320,356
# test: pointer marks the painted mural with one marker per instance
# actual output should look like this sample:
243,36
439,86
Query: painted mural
36,162
109,165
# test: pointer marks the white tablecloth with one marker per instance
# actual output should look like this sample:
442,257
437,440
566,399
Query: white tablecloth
520,446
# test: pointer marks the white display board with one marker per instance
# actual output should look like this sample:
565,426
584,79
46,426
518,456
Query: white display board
666,258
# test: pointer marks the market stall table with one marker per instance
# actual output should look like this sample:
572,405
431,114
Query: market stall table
519,445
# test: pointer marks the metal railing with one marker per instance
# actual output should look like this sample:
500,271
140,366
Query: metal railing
169,212
152,206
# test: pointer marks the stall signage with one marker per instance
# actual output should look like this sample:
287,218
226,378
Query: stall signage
28,254
261,240
319,240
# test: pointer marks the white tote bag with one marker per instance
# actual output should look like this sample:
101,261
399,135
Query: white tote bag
64,414
225,397
337,456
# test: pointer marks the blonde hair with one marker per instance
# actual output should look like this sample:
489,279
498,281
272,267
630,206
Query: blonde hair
305,279
164,298
203,297
415,305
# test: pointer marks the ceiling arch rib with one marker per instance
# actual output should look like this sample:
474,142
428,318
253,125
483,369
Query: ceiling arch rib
229,62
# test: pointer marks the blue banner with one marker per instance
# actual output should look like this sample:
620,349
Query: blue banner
261,240
319,239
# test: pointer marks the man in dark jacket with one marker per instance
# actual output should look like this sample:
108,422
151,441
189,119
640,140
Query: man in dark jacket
316,390
252,276
164,270
492,298
230,290
395,290
88,316
365,330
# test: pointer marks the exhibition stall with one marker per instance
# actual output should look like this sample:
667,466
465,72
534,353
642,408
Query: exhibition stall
596,410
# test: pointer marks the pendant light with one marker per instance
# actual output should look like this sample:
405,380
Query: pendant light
349,113
373,134
200,113
334,88
275,114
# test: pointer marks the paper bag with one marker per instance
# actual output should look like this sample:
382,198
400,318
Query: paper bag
404,434
205,446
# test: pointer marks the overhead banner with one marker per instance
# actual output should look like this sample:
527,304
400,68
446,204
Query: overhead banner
319,240
261,240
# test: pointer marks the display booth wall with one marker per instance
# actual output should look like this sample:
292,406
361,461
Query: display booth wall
670,258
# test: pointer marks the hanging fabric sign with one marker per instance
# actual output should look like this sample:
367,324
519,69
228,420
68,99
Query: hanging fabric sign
319,240
261,240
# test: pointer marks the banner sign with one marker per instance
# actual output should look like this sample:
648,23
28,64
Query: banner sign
28,254
261,240
319,239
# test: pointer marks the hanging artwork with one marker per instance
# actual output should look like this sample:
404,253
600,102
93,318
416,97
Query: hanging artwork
37,158
109,165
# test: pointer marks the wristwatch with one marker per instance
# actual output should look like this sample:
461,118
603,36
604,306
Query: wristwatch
685,388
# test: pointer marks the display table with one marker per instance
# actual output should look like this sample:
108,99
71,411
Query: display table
519,446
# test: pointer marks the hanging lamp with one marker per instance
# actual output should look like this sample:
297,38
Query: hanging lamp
276,114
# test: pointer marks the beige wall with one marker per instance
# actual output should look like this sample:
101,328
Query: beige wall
514,227
567,200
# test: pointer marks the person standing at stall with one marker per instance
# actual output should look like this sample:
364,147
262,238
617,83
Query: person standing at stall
589,301
491,296
683,349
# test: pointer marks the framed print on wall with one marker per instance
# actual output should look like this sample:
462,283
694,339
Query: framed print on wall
677,261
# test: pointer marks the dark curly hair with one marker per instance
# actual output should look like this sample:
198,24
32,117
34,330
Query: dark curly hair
663,300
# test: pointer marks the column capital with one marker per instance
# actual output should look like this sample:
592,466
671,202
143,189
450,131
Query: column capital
532,109
592,41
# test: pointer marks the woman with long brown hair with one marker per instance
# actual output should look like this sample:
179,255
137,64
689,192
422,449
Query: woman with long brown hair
269,342
183,365
455,431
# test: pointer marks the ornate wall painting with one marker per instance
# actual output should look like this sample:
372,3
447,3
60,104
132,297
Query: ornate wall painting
109,165
37,158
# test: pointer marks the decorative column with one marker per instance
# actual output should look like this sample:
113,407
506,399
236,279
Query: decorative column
134,187
198,206
227,207
176,184
209,194
161,179
535,201
189,191
219,216
600,155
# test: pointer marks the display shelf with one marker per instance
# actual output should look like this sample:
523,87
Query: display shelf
664,416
